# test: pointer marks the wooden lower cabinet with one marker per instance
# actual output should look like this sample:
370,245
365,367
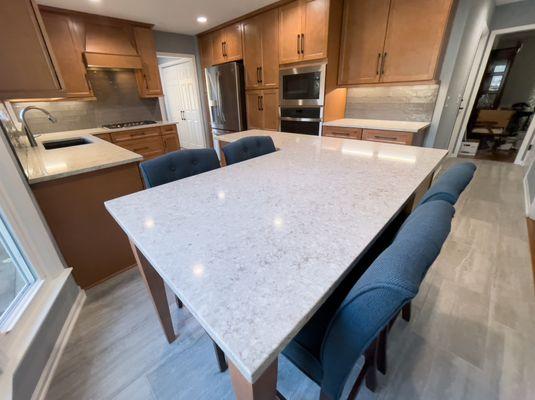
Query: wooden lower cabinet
148,142
342,132
87,236
170,142
262,109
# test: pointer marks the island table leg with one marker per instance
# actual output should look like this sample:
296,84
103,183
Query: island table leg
265,387
156,287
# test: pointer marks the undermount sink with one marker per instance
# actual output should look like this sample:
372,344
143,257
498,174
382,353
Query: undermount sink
59,144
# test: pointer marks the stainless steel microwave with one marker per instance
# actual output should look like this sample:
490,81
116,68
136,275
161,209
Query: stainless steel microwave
302,86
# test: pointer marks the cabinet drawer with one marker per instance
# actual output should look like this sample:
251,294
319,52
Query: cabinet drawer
148,147
343,133
135,134
166,129
387,136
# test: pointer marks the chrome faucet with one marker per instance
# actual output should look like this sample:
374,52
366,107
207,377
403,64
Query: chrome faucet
27,130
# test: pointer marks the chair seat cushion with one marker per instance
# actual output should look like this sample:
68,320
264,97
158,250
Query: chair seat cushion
451,184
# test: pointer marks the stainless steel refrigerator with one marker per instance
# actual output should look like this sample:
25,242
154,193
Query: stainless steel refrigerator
226,98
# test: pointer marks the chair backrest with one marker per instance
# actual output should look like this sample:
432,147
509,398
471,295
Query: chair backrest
248,147
387,285
178,165
451,184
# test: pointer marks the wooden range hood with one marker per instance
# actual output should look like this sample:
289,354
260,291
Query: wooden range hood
110,46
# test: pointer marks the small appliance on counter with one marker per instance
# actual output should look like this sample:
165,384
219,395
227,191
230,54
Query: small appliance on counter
226,99
302,92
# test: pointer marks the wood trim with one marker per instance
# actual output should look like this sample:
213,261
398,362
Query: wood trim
93,16
531,239
403,83
246,16
99,60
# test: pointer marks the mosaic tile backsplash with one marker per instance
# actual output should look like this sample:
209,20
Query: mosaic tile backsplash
117,101
398,103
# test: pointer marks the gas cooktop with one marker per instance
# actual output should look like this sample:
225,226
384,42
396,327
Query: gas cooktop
127,124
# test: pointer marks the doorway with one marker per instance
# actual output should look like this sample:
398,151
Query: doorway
181,101
498,121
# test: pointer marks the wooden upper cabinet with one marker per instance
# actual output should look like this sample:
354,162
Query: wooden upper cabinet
363,35
260,50
28,68
205,48
303,30
315,29
414,39
290,33
66,38
227,44
148,78
392,41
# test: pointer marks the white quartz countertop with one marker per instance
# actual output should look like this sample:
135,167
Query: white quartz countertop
253,249
42,165
385,125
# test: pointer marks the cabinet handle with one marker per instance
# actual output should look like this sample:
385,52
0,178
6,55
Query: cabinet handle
383,63
261,103
302,43
223,48
378,69
146,81
299,43
141,149
258,103
257,74
260,74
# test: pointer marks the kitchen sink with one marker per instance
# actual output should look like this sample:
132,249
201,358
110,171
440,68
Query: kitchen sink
59,144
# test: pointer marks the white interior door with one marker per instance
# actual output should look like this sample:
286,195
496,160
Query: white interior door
182,102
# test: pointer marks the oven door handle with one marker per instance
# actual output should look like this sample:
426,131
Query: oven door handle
300,119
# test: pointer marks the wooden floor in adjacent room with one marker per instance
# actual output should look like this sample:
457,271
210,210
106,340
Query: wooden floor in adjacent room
471,335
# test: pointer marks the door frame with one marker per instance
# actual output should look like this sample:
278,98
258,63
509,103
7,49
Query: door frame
200,103
479,69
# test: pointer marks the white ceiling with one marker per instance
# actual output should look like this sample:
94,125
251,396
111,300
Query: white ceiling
178,16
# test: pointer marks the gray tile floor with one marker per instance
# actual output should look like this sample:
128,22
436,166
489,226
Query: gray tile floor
471,335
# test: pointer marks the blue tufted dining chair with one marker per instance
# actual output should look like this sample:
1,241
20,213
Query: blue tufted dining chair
175,166
332,348
247,148
451,184
178,165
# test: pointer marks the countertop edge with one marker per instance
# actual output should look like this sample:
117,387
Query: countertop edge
376,124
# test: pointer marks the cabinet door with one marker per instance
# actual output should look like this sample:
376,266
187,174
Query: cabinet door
28,68
252,52
68,51
205,47
148,78
269,104
315,25
289,33
414,39
270,48
218,39
363,34
254,113
170,142
233,42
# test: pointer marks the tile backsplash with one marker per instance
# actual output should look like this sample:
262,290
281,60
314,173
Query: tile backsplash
117,101
403,103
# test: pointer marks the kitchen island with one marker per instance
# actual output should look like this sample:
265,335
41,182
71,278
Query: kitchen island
253,249
71,185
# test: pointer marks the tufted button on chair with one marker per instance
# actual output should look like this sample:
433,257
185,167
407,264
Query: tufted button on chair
179,165
338,347
247,148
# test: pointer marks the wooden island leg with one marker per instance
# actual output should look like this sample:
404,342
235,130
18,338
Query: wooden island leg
156,287
265,387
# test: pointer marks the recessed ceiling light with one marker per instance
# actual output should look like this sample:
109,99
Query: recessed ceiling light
201,20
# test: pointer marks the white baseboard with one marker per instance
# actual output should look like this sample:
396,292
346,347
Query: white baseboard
53,361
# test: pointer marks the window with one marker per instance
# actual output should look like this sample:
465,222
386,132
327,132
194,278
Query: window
16,276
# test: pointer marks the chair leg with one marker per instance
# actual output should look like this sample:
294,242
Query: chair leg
370,365
223,366
406,312
179,302
381,351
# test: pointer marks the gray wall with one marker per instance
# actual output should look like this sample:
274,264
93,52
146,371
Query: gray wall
520,85
514,14
34,361
398,103
468,25
117,100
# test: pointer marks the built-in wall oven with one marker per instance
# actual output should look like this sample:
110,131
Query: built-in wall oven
302,91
